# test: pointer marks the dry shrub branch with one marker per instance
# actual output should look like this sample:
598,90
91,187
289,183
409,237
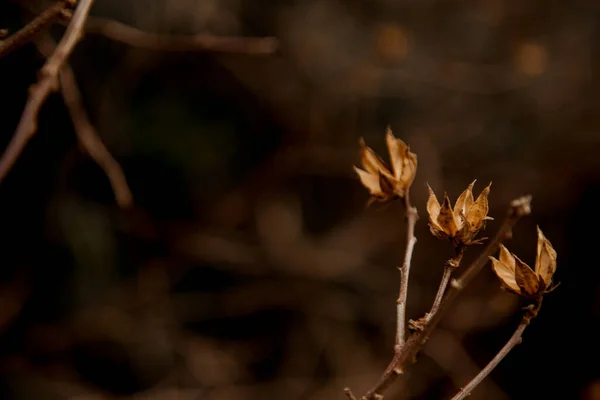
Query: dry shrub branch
460,226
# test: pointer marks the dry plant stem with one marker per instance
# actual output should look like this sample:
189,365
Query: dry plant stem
48,82
39,23
406,355
86,134
131,36
90,141
411,217
449,268
514,340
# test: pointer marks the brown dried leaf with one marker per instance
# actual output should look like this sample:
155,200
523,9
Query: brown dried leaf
387,185
478,211
409,169
506,274
433,206
506,257
397,150
526,279
370,161
545,262
464,202
370,181
446,218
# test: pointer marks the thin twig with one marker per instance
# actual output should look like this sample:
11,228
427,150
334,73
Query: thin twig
86,134
449,268
406,356
47,83
39,23
411,217
134,37
90,140
514,340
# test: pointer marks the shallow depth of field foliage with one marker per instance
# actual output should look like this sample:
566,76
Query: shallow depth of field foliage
248,265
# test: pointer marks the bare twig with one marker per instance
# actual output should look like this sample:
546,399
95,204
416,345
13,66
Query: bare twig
411,217
449,268
89,138
514,340
39,23
47,83
86,134
131,36
518,208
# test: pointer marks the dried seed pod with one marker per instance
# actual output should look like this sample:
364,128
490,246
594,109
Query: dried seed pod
383,182
517,277
462,223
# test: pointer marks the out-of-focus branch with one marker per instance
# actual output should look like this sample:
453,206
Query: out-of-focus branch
86,134
134,37
47,83
39,23
90,140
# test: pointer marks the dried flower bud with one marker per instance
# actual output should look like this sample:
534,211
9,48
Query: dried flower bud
517,277
462,223
385,183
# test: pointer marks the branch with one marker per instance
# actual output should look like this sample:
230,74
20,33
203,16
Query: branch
449,268
86,134
47,83
514,340
88,138
39,23
406,356
411,217
134,37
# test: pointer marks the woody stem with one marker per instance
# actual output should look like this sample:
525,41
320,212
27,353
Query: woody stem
451,265
514,340
411,218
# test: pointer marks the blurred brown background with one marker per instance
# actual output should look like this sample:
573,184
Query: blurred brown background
248,267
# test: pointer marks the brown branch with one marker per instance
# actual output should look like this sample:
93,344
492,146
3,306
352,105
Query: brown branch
514,340
411,217
134,37
89,138
86,134
47,83
39,23
406,356
449,268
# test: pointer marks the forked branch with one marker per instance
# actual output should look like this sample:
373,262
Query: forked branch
47,83
406,356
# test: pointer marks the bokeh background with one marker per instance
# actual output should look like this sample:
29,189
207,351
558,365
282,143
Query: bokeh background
249,267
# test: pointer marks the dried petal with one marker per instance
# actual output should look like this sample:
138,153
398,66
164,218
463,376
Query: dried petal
446,218
370,161
370,181
545,262
506,274
506,257
526,279
478,211
387,185
433,206
409,169
464,203
397,149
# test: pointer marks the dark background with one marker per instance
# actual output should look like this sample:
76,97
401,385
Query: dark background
249,267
